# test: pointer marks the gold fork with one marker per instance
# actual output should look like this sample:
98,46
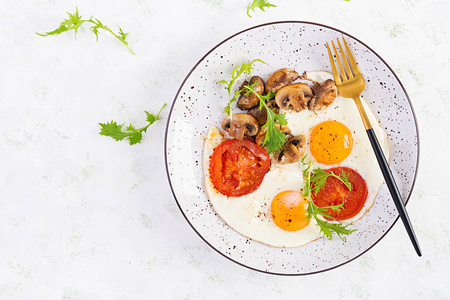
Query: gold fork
350,84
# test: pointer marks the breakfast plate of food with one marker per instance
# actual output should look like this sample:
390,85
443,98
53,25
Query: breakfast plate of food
271,166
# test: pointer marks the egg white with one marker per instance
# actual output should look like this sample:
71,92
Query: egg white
250,214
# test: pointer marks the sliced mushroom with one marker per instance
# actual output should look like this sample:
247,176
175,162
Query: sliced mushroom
315,88
262,133
247,101
261,114
280,79
296,96
239,125
293,150
273,105
324,96
241,88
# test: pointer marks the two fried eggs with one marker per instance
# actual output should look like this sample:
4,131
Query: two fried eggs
339,125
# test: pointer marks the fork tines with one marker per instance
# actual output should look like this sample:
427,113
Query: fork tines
349,72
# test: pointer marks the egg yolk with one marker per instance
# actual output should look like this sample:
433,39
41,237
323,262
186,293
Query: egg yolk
289,210
331,142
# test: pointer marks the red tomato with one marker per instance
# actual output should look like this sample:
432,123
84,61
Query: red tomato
334,191
238,167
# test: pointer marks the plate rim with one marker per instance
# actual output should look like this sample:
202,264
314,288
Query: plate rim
192,70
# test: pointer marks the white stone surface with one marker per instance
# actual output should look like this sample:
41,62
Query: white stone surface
85,217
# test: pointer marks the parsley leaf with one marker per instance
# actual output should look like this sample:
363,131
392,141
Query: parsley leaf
258,4
235,73
114,130
228,110
319,178
275,138
74,22
328,228
314,211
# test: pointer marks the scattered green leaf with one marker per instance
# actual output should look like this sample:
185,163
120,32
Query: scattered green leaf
74,22
114,130
258,4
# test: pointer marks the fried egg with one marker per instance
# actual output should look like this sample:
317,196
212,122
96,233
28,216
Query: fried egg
278,197
250,215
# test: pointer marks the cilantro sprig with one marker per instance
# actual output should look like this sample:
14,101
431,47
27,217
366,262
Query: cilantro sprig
275,138
235,73
315,211
74,22
134,136
258,4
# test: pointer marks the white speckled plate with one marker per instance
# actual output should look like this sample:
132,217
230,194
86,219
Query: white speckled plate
199,104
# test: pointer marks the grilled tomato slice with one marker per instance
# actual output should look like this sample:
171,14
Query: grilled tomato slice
335,191
238,167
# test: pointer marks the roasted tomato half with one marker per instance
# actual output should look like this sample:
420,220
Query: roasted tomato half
238,167
335,191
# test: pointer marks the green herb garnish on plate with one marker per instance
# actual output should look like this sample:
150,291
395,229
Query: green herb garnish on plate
314,183
235,73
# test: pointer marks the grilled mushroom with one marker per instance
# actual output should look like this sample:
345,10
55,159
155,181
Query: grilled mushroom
280,79
262,133
293,150
261,114
250,100
324,95
316,88
239,125
296,96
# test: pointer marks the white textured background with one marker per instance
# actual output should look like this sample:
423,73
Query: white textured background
85,217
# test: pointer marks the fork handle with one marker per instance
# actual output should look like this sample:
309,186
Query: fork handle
393,189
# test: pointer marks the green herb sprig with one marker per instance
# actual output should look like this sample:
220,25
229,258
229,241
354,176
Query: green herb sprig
74,22
258,4
275,138
134,136
235,73
320,178
314,211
